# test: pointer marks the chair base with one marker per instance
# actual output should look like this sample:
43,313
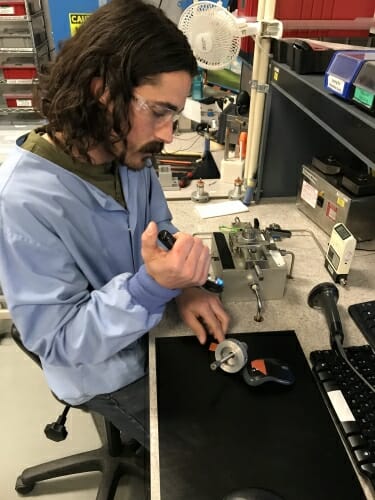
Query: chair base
112,468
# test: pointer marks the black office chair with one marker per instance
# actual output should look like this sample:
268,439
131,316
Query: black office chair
113,459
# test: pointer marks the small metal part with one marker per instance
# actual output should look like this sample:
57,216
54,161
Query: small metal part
288,252
277,233
255,288
230,355
237,193
259,272
200,195
215,364
248,234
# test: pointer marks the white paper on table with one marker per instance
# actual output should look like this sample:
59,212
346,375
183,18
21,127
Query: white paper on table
218,209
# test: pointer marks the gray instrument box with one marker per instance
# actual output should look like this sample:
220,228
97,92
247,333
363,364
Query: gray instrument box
326,202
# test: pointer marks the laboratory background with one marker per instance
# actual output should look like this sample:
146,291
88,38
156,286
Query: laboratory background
272,164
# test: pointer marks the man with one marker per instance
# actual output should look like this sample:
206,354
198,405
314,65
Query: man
80,266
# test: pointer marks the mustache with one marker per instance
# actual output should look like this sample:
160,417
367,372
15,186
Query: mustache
153,147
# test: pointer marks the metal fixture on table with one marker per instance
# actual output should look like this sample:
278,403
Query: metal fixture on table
200,195
236,193
249,262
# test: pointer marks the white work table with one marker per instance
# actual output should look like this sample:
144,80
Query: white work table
289,313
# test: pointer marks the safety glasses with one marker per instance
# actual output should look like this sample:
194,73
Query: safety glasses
160,114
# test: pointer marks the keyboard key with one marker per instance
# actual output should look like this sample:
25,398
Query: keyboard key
364,456
325,375
330,386
357,441
351,428
368,469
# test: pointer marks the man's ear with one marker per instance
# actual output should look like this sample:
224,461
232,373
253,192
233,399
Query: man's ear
97,90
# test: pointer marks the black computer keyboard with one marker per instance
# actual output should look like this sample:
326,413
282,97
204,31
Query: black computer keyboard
350,401
363,315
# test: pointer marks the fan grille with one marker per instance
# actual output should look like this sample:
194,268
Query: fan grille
212,32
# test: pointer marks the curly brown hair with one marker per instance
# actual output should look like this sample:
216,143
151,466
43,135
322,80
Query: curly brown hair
125,43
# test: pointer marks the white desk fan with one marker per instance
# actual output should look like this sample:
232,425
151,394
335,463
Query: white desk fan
215,36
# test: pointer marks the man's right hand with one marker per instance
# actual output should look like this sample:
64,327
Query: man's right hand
185,265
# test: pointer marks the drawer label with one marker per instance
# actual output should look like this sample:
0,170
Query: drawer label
24,103
364,97
7,10
336,84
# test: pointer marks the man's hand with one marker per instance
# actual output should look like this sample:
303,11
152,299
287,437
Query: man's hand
203,312
185,265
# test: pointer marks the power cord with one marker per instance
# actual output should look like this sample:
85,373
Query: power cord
183,149
341,351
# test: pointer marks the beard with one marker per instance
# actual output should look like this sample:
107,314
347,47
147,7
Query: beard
154,147
135,160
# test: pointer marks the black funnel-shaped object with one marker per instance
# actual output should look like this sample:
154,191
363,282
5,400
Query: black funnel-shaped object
325,296
206,167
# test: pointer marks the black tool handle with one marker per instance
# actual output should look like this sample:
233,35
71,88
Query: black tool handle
168,240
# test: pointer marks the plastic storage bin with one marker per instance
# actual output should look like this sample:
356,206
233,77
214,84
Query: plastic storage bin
13,38
18,71
18,100
364,87
343,69
13,8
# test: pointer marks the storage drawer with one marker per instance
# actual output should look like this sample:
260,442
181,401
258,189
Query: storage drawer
18,100
15,41
19,71
13,8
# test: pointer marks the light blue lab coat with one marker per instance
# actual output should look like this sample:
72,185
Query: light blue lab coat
72,272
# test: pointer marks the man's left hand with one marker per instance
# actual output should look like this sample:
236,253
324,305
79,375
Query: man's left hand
203,312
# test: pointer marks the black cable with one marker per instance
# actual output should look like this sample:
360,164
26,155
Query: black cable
340,350
183,149
159,6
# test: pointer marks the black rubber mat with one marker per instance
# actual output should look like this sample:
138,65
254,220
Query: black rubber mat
217,434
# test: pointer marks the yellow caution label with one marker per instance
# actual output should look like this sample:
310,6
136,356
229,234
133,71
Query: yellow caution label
76,19
341,202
